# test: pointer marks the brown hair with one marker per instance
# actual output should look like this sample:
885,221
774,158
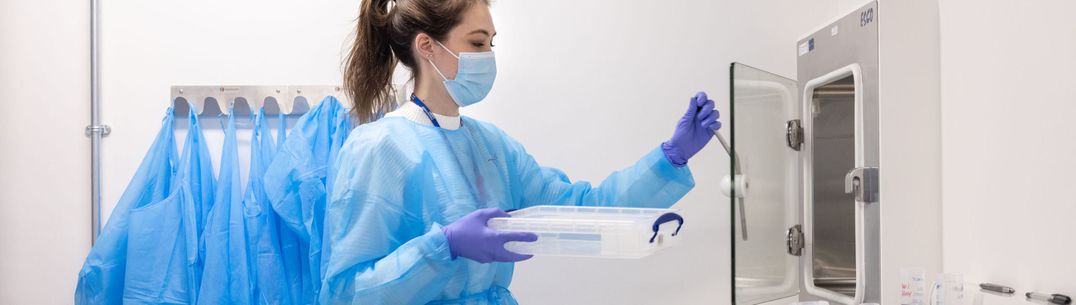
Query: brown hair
383,37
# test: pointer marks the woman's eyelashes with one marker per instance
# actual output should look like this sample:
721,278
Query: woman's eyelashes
481,44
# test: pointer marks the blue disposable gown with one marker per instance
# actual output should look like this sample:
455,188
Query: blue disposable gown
270,274
101,279
399,182
294,254
227,278
296,182
163,265
164,261
200,184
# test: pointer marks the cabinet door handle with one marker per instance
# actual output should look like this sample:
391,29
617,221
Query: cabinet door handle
863,183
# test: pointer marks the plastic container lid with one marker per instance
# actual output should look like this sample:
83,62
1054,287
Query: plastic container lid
606,232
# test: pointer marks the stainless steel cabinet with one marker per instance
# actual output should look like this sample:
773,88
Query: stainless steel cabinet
805,173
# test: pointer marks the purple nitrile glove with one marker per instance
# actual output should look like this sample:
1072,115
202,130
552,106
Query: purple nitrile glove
470,237
693,131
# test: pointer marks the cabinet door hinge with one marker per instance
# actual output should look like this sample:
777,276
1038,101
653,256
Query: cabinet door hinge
795,240
794,134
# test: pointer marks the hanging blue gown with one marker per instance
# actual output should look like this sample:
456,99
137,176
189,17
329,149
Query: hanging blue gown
296,182
202,186
294,253
163,265
228,277
271,277
164,261
101,279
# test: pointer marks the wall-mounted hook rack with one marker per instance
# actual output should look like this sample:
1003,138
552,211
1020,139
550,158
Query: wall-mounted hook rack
289,99
216,100
295,93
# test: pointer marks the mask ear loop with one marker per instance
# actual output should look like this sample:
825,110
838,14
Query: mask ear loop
429,58
446,49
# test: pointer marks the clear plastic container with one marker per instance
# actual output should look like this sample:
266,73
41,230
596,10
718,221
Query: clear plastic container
592,231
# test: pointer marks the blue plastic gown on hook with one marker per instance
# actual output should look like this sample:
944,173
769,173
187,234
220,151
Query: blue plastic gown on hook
101,279
203,186
272,284
296,182
164,261
198,164
227,278
398,182
197,185
294,253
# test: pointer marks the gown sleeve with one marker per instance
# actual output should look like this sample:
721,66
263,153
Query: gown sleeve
652,182
382,252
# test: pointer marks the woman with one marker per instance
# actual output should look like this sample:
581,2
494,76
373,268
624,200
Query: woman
406,221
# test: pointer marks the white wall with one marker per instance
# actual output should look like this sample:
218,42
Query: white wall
44,155
1008,154
910,147
588,86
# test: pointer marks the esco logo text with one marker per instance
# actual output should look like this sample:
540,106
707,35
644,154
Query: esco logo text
866,17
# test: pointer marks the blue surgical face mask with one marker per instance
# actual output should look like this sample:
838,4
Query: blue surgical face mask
474,77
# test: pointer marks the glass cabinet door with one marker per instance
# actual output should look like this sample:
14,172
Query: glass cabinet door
766,185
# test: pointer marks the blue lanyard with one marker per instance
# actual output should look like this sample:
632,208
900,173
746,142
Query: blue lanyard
425,109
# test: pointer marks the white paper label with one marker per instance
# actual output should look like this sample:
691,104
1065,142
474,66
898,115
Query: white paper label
803,48
833,31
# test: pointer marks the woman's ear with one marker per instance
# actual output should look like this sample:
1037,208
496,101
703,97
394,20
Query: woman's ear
423,46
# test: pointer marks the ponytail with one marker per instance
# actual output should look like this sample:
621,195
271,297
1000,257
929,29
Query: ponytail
384,34
368,72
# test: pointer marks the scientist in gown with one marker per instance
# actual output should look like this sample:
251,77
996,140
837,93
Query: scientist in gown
412,190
